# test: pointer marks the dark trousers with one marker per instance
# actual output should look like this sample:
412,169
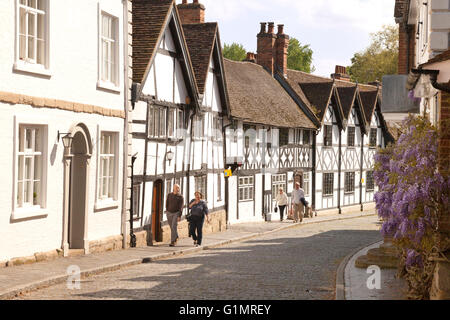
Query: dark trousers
281,211
196,229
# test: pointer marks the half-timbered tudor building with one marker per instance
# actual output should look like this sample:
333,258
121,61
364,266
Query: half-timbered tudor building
206,158
63,105
343,175
178,101
269,136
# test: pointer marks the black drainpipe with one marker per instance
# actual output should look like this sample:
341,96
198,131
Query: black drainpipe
314,150
224,132
361,172
339,171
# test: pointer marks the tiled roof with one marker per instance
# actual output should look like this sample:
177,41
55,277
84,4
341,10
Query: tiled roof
149,17
444,56
200,39
256,97
369,95
316,89
347,94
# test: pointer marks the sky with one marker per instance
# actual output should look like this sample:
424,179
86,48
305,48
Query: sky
335,29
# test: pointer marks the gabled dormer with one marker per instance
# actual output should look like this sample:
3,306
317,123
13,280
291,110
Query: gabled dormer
162,67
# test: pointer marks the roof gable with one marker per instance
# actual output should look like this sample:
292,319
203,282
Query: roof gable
151,19
368,100
347,95
200,39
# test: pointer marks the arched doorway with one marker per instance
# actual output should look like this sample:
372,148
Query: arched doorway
77,162
157,211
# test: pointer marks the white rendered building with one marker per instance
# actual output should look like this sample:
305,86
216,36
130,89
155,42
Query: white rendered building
62,80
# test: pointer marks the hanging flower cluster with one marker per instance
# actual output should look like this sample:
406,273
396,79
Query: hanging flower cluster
412,193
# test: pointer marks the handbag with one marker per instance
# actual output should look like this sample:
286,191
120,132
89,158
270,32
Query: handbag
189,216
276,209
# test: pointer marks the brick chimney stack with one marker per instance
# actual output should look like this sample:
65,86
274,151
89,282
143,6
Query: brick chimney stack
340,73
266,47
281,51
251,57
191,12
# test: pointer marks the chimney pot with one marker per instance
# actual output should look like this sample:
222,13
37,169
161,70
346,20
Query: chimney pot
263,27
193,12
281,29
271,27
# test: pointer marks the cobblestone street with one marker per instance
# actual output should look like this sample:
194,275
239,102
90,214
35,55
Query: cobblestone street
297,263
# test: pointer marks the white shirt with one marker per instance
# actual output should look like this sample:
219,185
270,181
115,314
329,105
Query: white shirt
282,199
297,195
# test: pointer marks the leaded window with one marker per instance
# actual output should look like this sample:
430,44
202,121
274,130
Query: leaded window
349,182
328,135
306,137
370,183
284,137
157,122
246,188
328,183
373,138
200,185
351,137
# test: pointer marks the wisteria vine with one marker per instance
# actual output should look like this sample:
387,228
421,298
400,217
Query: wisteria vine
412,193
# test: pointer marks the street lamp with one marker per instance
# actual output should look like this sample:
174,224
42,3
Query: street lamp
169,155
67,139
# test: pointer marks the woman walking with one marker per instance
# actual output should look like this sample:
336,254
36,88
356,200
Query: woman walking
199,210
282,201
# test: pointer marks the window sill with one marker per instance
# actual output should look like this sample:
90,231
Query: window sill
108,86
29,213
106,205
32,68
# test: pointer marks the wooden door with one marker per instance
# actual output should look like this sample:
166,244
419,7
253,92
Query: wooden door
157,211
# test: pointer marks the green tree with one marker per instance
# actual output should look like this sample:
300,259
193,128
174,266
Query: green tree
300,56
235,51
379,59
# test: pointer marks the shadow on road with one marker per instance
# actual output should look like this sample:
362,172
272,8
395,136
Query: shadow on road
295,268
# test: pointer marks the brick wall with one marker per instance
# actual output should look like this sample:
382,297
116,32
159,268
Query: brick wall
405,64
191,12
444,149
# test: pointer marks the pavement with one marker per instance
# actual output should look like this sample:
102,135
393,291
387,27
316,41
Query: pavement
353,283
22,279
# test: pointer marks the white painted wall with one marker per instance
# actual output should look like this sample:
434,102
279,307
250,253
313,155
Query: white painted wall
74,54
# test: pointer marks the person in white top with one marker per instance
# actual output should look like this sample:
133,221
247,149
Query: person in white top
282,201
298,194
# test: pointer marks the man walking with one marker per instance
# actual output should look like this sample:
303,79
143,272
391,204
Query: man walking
174,207
297,195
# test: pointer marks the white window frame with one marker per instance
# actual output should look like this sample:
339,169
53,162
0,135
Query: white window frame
246,185
101,202
114,83
30,65
279,181
306,183
32,211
